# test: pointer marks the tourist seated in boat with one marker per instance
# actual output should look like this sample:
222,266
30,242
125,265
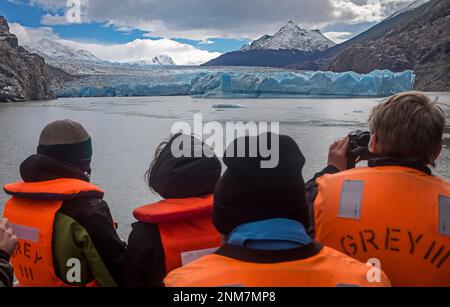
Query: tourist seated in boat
65,231
178,229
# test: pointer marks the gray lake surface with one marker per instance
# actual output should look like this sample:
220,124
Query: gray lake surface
126,131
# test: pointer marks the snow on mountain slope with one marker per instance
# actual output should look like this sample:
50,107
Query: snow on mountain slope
157,60
82,62
291,36
52,50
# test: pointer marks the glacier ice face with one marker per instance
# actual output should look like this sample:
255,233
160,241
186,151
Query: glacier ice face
244,83
125,90
378,83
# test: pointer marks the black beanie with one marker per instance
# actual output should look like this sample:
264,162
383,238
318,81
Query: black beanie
186,176
247,192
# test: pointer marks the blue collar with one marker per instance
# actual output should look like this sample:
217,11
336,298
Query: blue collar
273,234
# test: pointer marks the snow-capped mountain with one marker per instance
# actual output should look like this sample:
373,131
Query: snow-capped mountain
163,60
292,37
72,61
82,62
157,60
52,51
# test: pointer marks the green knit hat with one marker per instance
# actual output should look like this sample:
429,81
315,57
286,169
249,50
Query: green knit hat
65,141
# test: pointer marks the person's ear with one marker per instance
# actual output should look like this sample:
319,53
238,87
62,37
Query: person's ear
373,144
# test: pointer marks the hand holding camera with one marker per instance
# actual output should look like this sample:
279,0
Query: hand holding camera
337,154
346,153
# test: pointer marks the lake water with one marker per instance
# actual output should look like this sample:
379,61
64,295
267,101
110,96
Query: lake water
126,131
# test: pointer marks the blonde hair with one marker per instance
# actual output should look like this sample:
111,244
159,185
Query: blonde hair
409,126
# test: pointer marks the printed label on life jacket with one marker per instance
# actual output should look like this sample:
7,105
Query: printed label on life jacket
444,215
404,242
351,199
188,257
26,259
25,232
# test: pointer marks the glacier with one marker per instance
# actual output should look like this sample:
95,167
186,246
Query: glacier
248,83
379,83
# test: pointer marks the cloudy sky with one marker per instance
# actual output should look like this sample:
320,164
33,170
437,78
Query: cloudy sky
190,31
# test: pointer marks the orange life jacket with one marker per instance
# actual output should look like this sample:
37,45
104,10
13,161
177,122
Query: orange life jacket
230,267
398,215
31,212
185,226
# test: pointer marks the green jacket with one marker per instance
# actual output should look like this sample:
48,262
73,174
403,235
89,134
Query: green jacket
83,229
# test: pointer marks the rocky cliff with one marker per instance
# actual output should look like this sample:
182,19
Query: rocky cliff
421,44
417,39
23,76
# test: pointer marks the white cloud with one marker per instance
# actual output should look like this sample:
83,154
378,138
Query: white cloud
136,50
51,20
145,49
31,36
204,19
359,11
75,11
52,5
338,37
207,42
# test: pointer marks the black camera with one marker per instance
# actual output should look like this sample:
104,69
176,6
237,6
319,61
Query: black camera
358,147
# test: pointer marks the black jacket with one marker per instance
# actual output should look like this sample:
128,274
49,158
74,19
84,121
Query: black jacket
171,177
145,262
6,271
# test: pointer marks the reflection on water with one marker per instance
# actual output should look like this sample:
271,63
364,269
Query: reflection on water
125,132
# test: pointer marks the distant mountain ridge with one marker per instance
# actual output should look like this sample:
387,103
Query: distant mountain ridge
292,37
83,62
262,58
52,51
289,45
415,38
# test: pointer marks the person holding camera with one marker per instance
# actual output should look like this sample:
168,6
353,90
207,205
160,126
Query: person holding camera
394,213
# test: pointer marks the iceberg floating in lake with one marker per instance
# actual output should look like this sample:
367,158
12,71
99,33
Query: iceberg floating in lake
228,106
378,83
245,83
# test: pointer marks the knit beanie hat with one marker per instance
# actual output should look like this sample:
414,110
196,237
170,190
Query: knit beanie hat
66,141
248,193
194,174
